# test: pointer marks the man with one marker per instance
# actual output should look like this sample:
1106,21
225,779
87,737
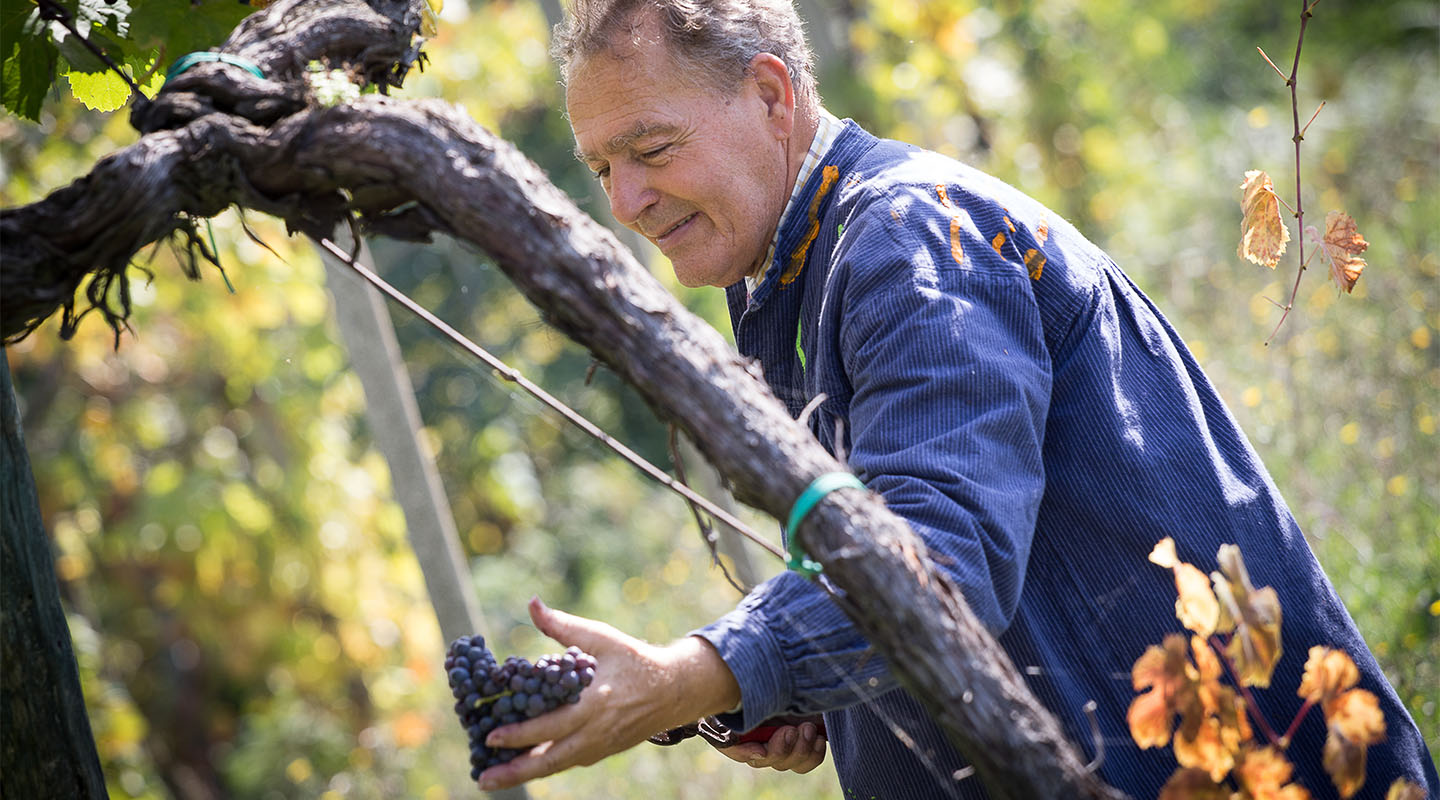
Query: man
985,368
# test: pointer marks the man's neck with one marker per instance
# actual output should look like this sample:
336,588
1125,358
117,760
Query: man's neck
807,120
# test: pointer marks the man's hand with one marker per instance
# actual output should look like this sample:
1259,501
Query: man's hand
639,689
794,748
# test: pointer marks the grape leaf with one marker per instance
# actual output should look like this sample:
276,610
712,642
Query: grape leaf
178,27
1403,789
27,60
1164,671
1262,231
1164,553
1263,774
1343,245
1328,672
1195,606
1204,748
1192,784
1356,722
101,91
1353,715
1253,614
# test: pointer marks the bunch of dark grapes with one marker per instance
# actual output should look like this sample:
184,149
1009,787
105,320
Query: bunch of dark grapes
490,694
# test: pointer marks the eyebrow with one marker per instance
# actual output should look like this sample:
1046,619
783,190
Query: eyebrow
621,141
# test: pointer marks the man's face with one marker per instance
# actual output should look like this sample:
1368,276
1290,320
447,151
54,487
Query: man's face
700,173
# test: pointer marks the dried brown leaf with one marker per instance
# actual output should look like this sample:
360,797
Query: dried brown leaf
1328,672
1264,774
1255,616
1192,784
1343,245
1403,789
1263,233
1164,671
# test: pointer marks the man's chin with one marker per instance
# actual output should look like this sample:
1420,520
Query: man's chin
693,277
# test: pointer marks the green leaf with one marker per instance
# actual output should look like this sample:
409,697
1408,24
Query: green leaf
100,91
27,60
178,27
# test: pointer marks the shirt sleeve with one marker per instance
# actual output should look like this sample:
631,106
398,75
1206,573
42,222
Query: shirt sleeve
943,346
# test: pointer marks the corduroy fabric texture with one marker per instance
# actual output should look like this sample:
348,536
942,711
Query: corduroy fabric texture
1040,425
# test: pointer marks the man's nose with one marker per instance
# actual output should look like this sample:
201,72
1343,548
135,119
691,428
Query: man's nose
630,194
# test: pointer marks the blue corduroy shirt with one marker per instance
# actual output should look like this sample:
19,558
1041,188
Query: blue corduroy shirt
1032,415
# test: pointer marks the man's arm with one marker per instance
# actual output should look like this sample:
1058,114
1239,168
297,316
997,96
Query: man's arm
951,386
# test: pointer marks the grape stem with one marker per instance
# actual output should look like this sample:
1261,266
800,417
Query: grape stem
1251,707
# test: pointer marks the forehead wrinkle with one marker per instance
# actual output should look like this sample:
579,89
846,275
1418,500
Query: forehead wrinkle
623,140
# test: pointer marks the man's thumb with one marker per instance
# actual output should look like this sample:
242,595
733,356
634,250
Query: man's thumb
567,629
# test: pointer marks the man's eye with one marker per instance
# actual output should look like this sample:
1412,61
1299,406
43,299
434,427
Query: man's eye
655,152
601,173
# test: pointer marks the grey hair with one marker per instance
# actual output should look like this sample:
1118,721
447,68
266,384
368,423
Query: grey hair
713,40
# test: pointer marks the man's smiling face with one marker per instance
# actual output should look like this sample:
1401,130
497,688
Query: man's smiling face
700,172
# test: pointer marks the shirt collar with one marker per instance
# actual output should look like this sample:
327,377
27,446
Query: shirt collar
826,132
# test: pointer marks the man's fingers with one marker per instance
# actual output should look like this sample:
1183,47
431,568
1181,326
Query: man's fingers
545,759
570,630
798,749
551,725
745,753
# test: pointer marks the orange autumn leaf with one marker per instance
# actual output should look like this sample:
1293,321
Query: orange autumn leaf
1192,784
1356,715
1164,553
1234,720
1203,747
1195,603
1356,722
1262,230
1328,672
1254,616
1164,671
1403,789
1343,245
1345,761
1264,774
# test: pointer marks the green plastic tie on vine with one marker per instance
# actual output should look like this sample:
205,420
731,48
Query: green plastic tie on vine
205,57
800,561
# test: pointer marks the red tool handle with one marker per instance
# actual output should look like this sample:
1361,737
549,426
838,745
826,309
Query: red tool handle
763,733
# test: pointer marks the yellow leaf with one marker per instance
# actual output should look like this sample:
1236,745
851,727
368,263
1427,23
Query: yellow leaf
1263,774
1262,231
1192,784
1343,245
1255,615
1328,672
1356,715
1164,553
1195,606
1345,761
1204,748
1164,671
1356,722
1403,789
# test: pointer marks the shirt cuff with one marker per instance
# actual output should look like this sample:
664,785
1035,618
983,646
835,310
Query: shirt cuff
749,649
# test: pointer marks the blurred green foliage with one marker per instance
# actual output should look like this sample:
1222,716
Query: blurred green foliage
247,613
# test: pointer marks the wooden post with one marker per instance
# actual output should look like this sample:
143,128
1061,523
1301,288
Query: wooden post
395,423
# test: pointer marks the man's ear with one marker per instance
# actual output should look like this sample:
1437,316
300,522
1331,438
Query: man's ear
772,83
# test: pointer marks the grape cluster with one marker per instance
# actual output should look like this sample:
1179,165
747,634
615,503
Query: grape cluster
489,694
